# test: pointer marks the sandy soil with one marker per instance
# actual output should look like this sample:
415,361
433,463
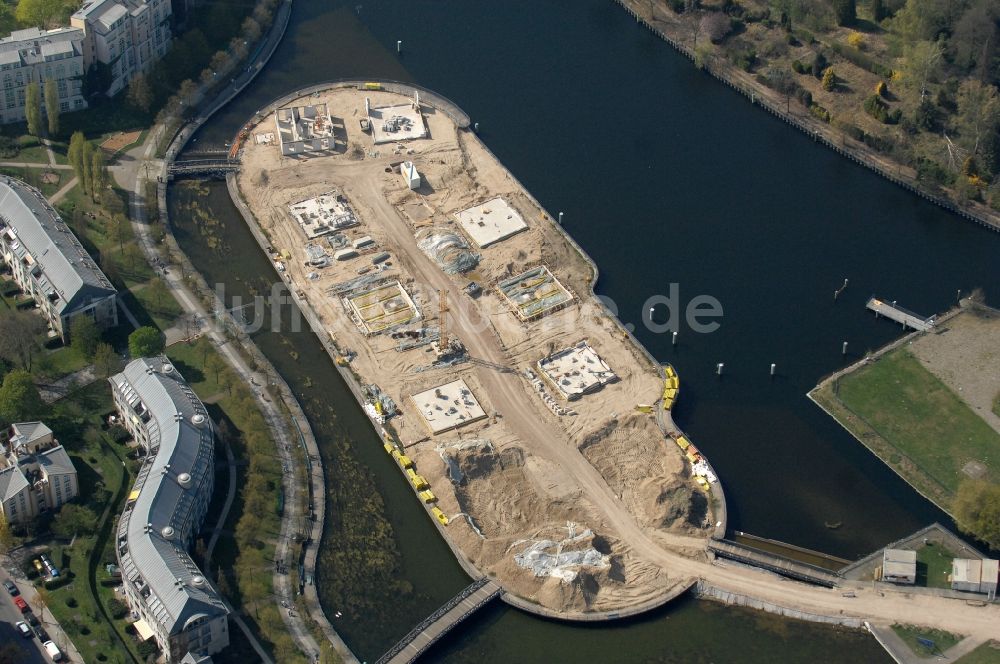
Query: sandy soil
528,474
965,354
115,143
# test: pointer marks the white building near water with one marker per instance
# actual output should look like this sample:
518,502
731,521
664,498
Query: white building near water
36,474
175,603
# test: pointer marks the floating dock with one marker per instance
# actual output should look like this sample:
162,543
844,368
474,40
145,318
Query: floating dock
907,318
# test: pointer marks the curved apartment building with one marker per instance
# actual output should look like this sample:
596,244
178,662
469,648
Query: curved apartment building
174,601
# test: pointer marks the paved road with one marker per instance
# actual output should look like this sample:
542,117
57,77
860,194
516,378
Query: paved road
9,615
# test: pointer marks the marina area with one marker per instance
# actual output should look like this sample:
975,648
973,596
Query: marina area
523,485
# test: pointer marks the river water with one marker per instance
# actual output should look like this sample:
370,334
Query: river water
665,177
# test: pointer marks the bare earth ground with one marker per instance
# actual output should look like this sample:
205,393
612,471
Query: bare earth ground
115,143
529,475
965,355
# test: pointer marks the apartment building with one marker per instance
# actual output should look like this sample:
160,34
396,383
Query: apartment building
36,474
49,263
34,56
127,35
174,601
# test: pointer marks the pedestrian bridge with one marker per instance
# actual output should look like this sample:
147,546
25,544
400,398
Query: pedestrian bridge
218,167
772,562
458,608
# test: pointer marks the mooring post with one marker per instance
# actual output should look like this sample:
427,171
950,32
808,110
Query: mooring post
399,46
560,223
673,339
718,368
773,367
843,350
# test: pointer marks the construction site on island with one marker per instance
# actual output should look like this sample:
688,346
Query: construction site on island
536,432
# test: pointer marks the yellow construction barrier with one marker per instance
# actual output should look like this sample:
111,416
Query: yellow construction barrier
388,448
683,442
644,408
395,453
417,480
404,461
702,482
669,371
373,86
440,516
428,496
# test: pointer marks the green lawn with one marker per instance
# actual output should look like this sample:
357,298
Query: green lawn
934,566
942,640
918,415
62,361
36,154
988,653
159,304
33,176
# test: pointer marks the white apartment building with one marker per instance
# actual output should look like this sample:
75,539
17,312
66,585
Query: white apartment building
127,35
34,56
48,262
36,474
174,601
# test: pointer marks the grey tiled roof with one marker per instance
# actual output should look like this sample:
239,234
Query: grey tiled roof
56,461
12,480
181,443
31,431
67,269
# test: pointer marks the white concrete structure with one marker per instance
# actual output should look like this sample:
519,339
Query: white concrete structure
491,222
34,55
975,575
127,36
304,129
402,122
36,474
381,307
410,175
323,214
899,566
49,263
576,370
175,603
448,406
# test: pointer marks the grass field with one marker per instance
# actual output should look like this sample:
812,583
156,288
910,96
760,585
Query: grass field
988,653
934,566
942,640
913,422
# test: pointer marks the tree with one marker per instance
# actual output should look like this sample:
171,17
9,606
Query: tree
978,113
716,26
98,174
37,13
878,11
33,109
132,255
41,600
20,337
140,94
87,159
6,536
921,63
215,365
145,342
846,11
75,153
977,510
158,292
52,105
84,335
19,398
73,519
106,361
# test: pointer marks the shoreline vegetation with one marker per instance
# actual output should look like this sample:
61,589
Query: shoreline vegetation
906,88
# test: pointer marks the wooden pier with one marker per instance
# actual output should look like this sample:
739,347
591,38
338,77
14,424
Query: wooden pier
436,625
907,318
772,562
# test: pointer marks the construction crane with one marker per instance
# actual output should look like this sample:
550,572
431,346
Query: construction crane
443,341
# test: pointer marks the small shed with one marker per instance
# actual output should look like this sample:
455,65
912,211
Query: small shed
363,242
991,576
410,175
899,566
965,574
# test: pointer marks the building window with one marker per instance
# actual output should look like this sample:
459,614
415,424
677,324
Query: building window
64,106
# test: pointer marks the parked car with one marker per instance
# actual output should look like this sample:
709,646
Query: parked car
53,651
31,619
21,605
40,632
23,628
11,588
39,566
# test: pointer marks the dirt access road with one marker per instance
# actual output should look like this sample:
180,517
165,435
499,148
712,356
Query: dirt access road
507,395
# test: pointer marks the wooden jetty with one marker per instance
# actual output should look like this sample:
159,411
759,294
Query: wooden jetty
793,569
904,316
420,638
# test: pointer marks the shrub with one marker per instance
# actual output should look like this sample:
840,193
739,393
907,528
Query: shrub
820,112
863,60
931,171
925,116
716,26
895,116
851,130
819,64
147,648
27,141
677,6
743,56
881,90
805,97
8,148
875,107
71,602
829,79
798,67
856,40
118,608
